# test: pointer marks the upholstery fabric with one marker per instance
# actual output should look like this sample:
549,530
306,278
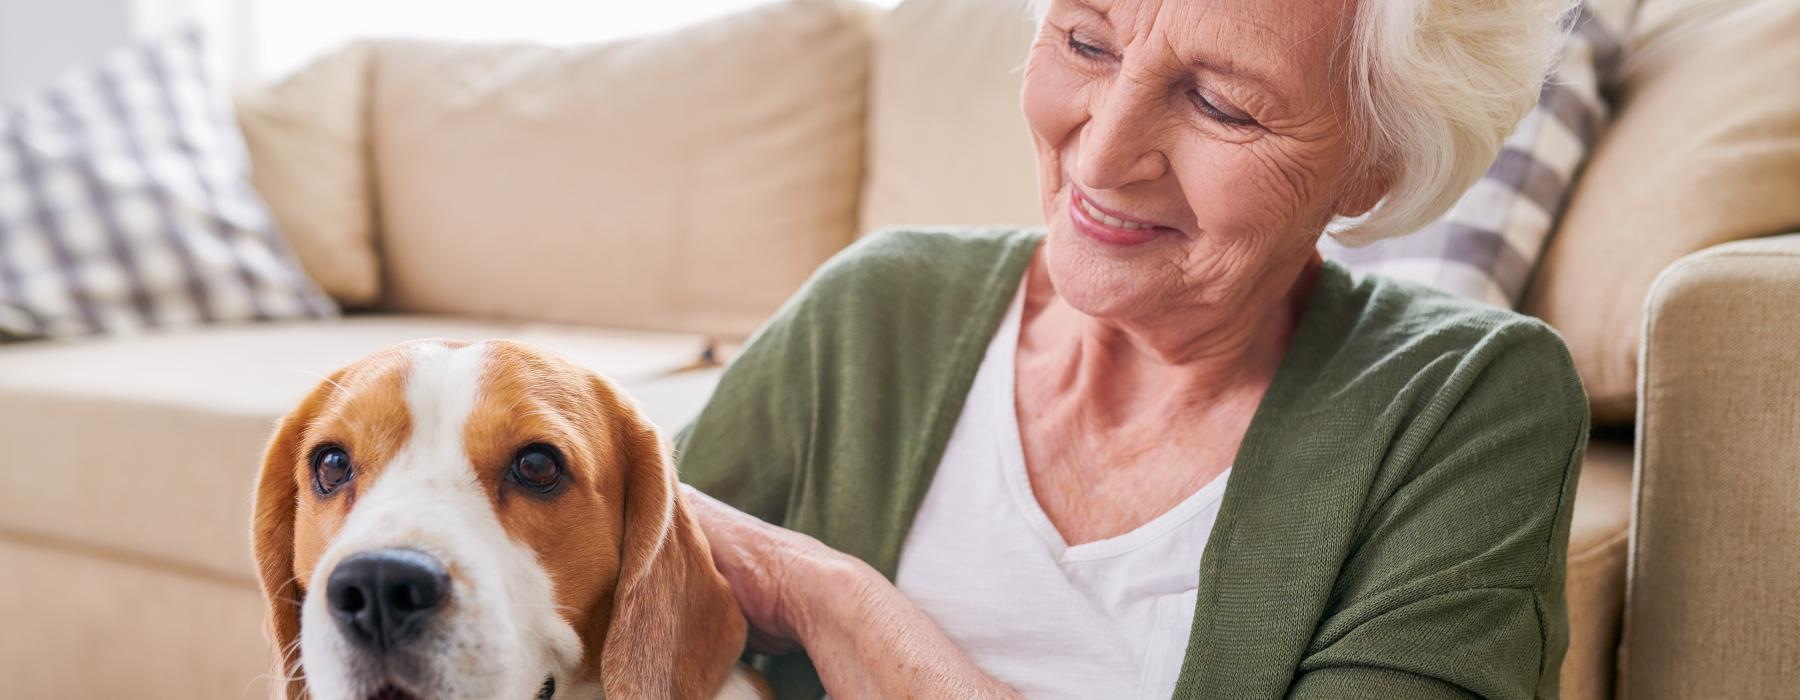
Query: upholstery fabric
1598,539
1711,606
83,623
947,142
687,181
309,158
125,205
1705,149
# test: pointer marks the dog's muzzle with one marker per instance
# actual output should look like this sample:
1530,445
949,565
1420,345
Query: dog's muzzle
382,599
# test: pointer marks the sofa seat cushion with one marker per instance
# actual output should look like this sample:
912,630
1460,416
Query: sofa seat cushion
147,447
1598,539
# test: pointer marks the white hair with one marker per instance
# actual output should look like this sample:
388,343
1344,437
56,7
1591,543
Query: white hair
1435,87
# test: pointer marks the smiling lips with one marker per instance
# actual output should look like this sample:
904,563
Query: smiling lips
1110,227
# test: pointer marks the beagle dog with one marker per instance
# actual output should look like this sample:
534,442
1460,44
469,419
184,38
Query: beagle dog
485,521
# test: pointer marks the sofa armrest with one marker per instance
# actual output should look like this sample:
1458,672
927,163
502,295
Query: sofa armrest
1713,599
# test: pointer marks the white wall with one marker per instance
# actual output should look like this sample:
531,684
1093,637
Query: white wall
260,39
289,32
41,38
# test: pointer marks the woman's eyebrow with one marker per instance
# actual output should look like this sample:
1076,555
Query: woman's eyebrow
1235,70
1088,7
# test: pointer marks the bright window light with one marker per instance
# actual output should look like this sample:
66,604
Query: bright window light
283,34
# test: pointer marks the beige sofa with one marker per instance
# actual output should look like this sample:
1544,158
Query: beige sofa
643,206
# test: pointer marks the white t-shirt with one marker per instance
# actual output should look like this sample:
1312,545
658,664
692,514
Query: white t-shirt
1106,619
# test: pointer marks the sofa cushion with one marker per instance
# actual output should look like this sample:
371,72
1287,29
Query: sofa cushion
1599,538
689,181
125,204
1705,149
948,143
147,446
309,158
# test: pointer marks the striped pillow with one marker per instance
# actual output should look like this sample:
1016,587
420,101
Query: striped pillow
1487,246
125,204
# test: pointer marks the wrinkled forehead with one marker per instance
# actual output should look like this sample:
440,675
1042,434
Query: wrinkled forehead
1284,45
1188,24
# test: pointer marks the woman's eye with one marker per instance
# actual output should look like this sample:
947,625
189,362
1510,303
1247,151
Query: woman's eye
537,468
1084,49
1231,117
331,468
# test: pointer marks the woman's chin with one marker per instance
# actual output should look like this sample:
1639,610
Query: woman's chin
1097,282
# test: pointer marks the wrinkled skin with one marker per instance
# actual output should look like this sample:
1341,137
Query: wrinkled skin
1139,367
1126,119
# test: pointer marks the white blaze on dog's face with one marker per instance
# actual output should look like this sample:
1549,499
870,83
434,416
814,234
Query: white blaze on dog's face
448,520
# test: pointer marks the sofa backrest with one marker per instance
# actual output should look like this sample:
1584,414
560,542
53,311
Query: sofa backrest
948,143
1704,150
688,181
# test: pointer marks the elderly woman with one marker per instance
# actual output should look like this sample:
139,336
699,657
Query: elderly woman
1163,448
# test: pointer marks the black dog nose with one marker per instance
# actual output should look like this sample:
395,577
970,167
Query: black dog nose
382,598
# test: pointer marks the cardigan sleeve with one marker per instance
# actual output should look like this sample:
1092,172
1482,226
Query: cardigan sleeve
1455,588
747,444
832,418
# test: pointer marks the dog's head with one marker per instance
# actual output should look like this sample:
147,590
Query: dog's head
452,520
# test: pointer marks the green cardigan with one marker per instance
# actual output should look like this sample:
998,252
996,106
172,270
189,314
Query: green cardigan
1395,524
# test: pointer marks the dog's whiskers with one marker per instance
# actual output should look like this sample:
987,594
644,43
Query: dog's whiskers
320,377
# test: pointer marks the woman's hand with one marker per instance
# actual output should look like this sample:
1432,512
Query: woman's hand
773,571
864,637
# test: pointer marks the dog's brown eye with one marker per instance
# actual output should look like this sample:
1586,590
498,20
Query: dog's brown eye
538,468
331,468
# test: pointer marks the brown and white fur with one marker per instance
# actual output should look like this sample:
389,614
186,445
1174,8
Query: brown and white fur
601,586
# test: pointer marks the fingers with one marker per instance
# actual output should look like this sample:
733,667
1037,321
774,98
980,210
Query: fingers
754,557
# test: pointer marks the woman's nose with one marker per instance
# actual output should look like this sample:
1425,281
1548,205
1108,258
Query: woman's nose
1119,144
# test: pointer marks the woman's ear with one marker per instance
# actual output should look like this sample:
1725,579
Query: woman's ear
675,629
272,539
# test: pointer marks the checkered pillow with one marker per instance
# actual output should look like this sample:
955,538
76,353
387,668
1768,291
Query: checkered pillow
1488,244
125,204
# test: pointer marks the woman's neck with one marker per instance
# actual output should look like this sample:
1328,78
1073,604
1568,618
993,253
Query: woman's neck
1197,360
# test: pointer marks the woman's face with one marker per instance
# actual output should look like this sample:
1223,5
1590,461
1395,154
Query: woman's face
1189,151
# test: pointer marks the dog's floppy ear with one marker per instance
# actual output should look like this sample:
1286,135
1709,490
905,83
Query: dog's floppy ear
676,630
272,539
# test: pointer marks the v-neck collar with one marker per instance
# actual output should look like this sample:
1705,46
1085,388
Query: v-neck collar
1261,587
1248,632
1002,351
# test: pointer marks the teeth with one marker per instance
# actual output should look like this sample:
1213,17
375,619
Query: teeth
1109,221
